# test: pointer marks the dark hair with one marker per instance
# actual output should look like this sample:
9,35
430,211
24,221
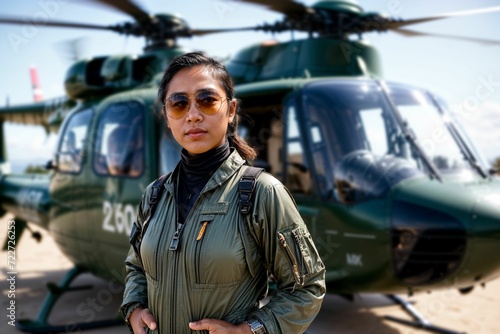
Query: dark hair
220,73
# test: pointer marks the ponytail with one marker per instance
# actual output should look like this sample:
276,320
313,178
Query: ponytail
243,148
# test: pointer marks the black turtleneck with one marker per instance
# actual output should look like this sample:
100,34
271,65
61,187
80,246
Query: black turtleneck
194,172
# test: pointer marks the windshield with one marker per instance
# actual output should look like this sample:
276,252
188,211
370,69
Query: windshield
432,130
357,115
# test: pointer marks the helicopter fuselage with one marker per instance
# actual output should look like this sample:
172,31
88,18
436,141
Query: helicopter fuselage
382,219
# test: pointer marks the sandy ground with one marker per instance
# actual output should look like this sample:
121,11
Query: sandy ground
40,263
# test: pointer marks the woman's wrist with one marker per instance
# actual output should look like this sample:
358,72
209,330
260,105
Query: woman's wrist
130,309
243,328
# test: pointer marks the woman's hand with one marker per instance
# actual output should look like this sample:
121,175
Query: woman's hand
140,318
215,326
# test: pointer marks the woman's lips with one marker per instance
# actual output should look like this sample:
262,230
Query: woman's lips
195,133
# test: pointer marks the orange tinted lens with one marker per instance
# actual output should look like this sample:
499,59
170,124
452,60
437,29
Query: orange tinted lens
177,105
208,102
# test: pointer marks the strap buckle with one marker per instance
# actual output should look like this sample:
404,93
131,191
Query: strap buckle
246,188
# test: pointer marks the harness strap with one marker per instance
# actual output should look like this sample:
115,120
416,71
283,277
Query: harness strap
137,231
246,188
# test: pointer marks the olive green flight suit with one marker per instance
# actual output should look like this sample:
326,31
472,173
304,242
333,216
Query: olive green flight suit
222,271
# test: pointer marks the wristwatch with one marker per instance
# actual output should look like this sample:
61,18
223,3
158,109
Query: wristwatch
256,326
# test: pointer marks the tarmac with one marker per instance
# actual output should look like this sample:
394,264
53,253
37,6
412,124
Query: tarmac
40,263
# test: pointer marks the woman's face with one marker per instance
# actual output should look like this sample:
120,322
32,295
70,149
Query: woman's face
195,131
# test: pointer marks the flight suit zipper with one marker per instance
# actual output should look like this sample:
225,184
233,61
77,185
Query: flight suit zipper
174,294
292,259
176,240
174,244
298,251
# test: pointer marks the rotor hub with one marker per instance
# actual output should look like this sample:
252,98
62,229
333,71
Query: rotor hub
160,30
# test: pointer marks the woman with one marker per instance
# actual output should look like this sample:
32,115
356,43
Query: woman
204,265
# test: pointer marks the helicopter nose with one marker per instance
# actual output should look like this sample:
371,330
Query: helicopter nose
428,244
486,214
446,231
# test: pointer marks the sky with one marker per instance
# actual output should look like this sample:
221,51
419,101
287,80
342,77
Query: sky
465,74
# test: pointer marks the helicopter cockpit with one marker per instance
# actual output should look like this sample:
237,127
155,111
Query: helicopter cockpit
362,129
119,149
70,148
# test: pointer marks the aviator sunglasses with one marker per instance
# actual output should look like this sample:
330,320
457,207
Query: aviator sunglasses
208,102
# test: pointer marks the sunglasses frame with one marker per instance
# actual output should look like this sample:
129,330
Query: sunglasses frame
196,104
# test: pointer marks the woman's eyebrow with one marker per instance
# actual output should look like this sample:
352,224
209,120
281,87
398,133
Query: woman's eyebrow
200,90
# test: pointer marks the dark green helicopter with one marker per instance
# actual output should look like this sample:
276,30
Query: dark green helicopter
390,211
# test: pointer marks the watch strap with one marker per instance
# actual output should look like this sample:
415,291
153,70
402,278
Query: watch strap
256,326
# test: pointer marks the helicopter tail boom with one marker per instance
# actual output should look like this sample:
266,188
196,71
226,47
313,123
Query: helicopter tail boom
26,197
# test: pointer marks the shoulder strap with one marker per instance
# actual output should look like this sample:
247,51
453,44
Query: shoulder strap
138,231
156,193
246,187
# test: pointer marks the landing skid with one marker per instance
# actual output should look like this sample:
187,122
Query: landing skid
419,322
41,325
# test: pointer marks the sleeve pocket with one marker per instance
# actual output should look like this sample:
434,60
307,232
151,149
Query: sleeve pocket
292,241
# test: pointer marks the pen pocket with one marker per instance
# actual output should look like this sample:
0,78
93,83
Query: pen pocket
218,254
203,230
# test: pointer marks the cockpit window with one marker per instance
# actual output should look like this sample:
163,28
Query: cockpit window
402,123
119,144
430,129
352,117
71,146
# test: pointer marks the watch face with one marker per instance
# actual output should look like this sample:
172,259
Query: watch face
256,326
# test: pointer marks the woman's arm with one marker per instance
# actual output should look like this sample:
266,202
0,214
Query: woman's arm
291,257
135,295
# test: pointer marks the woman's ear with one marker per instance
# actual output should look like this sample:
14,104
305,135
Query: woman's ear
233,104
166,119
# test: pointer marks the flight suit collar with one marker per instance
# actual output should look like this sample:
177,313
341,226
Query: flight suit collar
224,172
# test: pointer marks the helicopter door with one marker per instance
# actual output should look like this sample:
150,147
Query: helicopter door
298,169
298,177
68,186
118,179
307,168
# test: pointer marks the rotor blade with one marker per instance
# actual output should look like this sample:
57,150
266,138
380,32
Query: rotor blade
11,20
287,7
202,32
128,7
413,33
399,24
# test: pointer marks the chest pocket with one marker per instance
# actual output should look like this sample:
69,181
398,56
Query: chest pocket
219,256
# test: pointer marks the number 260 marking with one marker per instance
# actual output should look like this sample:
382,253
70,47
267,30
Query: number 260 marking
118,218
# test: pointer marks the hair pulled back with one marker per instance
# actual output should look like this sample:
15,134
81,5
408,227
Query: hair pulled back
220,73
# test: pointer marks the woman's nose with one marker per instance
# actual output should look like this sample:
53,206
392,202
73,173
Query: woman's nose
193,113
